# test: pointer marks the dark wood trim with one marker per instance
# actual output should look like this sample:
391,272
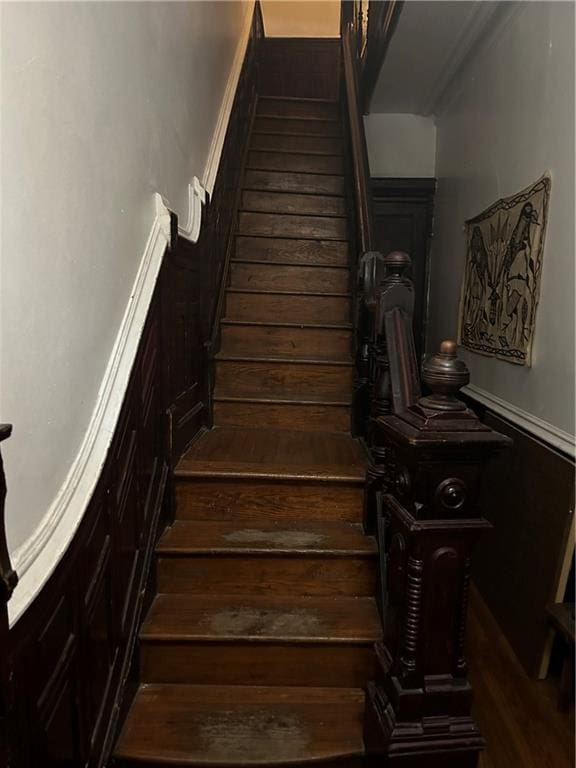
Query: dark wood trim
405,188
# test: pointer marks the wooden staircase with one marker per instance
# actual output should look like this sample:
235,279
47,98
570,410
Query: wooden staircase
260,640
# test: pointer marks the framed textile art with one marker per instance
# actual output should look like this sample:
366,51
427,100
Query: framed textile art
501,284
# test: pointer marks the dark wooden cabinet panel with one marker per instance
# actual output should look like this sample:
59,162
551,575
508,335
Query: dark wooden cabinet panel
403,222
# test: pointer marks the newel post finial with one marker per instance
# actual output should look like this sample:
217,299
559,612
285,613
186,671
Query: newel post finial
445,374
397,263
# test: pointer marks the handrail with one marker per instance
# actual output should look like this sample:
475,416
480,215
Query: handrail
361,171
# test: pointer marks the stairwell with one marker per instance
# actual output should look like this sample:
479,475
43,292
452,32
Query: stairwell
260,640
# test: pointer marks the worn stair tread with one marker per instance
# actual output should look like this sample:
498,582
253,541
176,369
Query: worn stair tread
287,537
294,181
201,725
298,226
275,454
296,162
283,142
348,362
273,250
293,203
256,618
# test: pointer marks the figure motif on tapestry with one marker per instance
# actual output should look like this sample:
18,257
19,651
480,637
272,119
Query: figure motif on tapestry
501,283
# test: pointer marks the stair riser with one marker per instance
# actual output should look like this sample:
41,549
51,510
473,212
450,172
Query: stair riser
262,379
287,203
295,108
242,663
292,251
292,309
294,182
282,161
272,277
309,418
262,575
313,127
318,145
244,500
280,225
269,340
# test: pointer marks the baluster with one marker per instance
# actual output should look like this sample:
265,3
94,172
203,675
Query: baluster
418,713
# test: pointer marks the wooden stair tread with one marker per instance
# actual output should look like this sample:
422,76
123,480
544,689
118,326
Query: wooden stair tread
241,725
292,265
267,292
295,126
330,165
255,618
291,203
275,453
284,359
288,398
299,182
286,537
280,324
299,226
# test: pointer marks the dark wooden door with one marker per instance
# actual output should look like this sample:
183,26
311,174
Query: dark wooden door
403,222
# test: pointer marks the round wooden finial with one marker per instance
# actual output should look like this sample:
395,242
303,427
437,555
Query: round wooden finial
397,262
445,374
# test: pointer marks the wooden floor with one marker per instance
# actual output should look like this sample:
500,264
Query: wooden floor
518,716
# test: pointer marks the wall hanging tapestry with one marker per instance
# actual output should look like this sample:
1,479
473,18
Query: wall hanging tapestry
501,283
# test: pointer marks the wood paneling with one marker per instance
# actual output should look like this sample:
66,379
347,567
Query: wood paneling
529,499
287,64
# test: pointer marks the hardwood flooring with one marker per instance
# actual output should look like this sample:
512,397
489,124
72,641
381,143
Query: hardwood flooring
518,716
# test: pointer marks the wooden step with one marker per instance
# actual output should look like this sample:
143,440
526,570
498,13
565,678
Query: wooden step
248,499
288,277
279,142
284,225
297,126
276,378
289,413
274,454
282,202
330,253
296,163
187,725
239,338
303,183
292,308
288,107
260,640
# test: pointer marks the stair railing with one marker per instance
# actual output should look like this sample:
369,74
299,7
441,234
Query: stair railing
427,457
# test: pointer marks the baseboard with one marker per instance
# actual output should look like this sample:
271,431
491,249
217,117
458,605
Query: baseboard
37,558
543,430
211,169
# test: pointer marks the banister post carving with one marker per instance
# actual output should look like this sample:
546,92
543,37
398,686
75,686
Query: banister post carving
419,707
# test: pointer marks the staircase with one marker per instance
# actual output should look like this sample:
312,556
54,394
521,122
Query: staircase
260,640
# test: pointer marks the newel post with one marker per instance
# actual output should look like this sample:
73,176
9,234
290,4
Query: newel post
393,302
418,711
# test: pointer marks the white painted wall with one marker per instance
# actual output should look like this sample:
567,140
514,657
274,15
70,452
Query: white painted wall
507,118
301,18
401,145
103,104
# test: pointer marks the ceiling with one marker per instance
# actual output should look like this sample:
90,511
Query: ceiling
430,43
301,18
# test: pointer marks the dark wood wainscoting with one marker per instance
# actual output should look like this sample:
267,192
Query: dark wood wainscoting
286,64
403,210
522,564
70,659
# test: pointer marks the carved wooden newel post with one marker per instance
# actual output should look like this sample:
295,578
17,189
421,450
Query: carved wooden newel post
418,712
